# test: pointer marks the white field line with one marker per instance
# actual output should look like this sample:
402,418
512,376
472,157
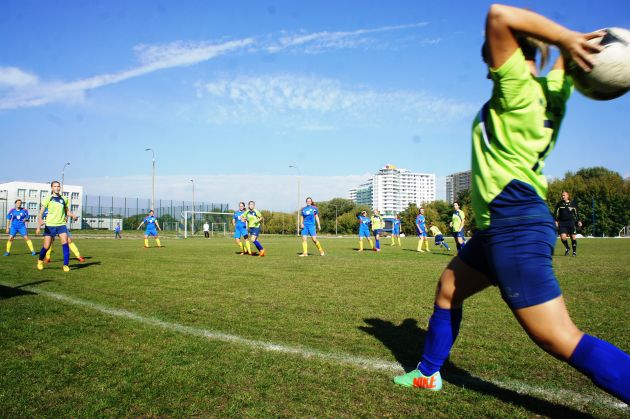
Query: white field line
551,394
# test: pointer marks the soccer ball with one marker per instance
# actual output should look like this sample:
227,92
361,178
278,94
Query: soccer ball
610,76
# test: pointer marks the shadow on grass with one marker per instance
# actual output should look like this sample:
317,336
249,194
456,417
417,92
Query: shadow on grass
406,343
84,265
9,292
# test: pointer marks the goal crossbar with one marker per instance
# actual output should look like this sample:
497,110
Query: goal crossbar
193,215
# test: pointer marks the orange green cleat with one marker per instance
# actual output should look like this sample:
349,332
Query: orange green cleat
66,268
416,379
40,265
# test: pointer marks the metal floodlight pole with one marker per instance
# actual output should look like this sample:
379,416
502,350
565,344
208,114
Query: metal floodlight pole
152,179
297,227
193,207
63,176
335,220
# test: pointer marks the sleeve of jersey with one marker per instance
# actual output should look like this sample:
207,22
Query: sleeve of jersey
560,87
511,80
9,215
45,202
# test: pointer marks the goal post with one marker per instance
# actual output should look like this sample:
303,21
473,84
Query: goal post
191,223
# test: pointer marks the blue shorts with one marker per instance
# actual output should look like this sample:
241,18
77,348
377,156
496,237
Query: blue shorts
240,232
55,231
364,232
309,231
517,259
396,232
457,234
151,232
15,230
254,231
377,232
439,239
422,233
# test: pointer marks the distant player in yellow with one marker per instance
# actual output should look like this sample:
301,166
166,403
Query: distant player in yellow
17,224
439,238
364,230
457,225
58,212
152,227
253,218
378,224
240,230
309,221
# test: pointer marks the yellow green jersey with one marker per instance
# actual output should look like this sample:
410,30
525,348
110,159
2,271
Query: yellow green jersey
457,220
512,136
253,218
56,206
377,222
435,231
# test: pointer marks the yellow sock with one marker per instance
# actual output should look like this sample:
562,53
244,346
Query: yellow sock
399,241
146,242
304,247
9,246
49,252
75,250
371,243
242,246
158,242
393,241
248,245
426,244
319,246
360,244
419,245
29,243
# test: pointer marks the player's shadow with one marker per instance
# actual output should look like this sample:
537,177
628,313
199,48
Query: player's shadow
84,265
9,292
406,343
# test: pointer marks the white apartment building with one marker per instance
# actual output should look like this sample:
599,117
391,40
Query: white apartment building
456,183
32,194
391,190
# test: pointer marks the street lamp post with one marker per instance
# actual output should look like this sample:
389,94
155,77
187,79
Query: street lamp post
152,179
298,199
193,206
63,176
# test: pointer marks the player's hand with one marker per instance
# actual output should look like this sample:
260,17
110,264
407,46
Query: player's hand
576,46
579,223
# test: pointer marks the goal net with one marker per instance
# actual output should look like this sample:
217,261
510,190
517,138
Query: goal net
192,224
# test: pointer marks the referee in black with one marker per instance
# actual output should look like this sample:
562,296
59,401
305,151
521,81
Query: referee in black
566,220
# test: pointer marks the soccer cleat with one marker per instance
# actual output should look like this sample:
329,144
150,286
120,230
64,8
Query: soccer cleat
574,254
322,253
360,250
416,379
428,251
261,254
377,250
40,265
146,247
33,253
241,253
66,268
420,251
81,259
303,255
7,253
566,252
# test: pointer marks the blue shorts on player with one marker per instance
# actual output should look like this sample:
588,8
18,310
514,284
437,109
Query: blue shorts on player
55,231
254,231
439,239
422,233
396,232
151,232
364,232
378,232
309,230
240,232
521,269
21,230
457,234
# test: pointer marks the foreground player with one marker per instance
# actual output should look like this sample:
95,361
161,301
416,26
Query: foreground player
309,221
58,213
439,238
253,218
377,229
364,230
512,136
151,229
240,230
457,225
396,230
18,224
566,221
421,228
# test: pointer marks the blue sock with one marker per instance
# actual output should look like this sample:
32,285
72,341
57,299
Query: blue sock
42,253
378,244
66,254
443,330
605,364
258,245
446,245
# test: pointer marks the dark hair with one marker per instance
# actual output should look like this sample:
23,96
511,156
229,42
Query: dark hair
53,182
312,202
239,204
457,202
252,202
152,211
528,45
16,201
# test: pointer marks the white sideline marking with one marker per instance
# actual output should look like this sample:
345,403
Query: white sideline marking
550,394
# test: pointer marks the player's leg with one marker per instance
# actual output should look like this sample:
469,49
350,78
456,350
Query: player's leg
29,243
304,246
257,243
42,253
551,327
420,240
377,240
66,250
316,241
360,242
48,257
574,243
426,241
9,244
75,250
565,242
157,239
393,239
146,240
458,282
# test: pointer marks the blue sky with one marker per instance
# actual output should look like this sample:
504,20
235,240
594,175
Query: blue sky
231,93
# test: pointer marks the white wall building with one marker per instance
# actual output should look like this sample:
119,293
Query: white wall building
456,183
391,190
32,194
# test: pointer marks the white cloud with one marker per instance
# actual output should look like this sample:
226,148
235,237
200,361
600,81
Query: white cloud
13,77
277,193
303,98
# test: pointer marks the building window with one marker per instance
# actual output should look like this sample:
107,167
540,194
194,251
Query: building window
32,193
75,195
65,194
32,205
43,193
74,208
32,218
22,192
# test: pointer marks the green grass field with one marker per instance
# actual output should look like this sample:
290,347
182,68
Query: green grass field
195,329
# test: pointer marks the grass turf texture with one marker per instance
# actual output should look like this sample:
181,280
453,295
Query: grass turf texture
63,359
